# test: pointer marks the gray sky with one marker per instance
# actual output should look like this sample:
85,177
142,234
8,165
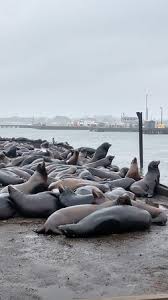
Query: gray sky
78,57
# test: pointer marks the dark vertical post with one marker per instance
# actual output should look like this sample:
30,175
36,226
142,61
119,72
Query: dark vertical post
139,115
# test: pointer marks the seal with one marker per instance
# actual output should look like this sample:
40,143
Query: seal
158,215
74,214
147,185
125,183
40,205
6,209
101,152
133,171
87,189
8,177
73,159
11,151
103,173
69,198
104,162
36,183
117,192
74,183
69,215
116,219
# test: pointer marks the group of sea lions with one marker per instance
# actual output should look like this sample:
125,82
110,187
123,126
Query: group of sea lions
79,191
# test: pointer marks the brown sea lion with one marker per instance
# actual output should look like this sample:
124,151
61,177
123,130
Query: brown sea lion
133,171
74,158
74,183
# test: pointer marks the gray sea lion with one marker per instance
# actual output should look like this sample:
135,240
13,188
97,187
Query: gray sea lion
125,183
103,173
85,174
8,177
69,215
116,219
6,208
87,189
73,214
39,205
11,151
123,172
147,185
90,151
117,192
19,172
104,162
101,152
133,171
4,159
68,198
36,183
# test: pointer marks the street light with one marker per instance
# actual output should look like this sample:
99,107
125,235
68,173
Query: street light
161,115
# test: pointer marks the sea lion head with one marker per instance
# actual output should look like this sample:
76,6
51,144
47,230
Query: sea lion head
124,200
134,161
41,169
110,158
106,146
153,165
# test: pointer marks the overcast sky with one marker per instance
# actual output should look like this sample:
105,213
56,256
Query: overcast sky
78,57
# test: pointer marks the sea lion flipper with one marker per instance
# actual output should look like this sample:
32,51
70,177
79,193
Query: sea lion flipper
40,230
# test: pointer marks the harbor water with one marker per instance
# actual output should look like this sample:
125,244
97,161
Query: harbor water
124,144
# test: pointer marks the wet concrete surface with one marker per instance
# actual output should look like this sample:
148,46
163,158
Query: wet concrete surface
54,267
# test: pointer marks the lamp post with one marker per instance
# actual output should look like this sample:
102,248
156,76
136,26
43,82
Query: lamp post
161,115
139,115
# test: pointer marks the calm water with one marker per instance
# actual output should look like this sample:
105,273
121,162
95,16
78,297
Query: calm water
124,145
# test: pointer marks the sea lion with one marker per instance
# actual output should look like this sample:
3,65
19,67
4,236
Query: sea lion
73,159
101,152
11,151
158,215
104,162
123,172
116,219
87,189
125,183
103,173
117,192
19,172
70,170
6,208
36,183
4,159
39,205
73,214
90,151
69,215
133,171
74,183
68,198
147,185
8,177
85,174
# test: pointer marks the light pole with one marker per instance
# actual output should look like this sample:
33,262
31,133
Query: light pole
161,115
146,107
